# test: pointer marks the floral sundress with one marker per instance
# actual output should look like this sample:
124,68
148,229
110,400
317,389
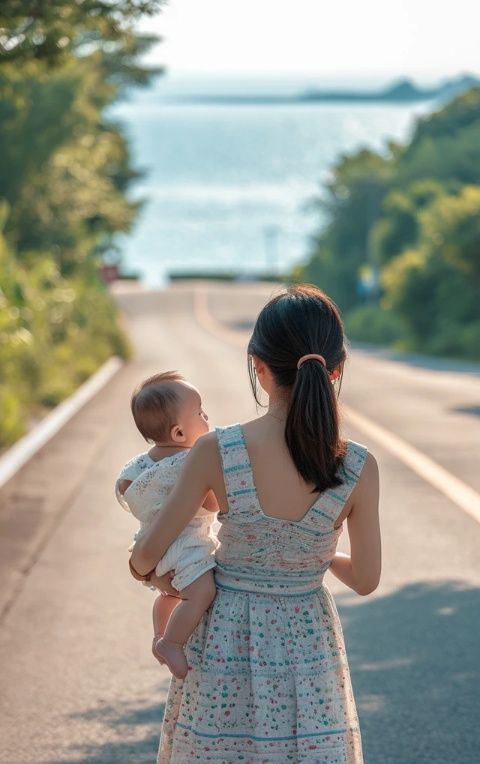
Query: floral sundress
268,677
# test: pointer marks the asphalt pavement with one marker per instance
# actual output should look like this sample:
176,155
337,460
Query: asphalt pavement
78,681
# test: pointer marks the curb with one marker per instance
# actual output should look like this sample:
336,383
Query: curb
20,453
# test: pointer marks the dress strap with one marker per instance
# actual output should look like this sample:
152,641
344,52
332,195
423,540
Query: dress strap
237,473
331,502
354,461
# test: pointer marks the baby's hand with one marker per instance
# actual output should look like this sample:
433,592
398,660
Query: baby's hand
162,583
122,486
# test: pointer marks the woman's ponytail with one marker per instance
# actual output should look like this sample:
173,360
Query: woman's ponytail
299,322
311,430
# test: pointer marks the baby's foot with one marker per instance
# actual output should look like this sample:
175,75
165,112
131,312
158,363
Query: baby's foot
155,640
172,654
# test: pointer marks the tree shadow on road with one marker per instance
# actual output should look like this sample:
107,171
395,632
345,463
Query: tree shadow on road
415,663
128,733
472,410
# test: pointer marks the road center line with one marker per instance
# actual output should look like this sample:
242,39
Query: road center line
461,494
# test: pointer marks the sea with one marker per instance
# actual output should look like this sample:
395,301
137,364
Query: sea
234,188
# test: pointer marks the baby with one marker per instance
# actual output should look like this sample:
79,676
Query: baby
168,413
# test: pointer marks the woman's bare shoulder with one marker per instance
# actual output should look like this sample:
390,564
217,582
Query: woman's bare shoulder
370,469
206,444
206,448
360,460
367,486
209,442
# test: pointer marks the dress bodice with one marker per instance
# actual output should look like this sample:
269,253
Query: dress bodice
267,553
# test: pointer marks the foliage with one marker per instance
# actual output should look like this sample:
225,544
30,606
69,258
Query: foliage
54,333
65,177
413,216
352,200
436,287
445,145
51,30
66,173
373,324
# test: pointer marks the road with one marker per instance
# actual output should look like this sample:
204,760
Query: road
78,682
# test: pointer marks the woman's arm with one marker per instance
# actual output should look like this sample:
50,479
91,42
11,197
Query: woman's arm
186,498
361,569
211,502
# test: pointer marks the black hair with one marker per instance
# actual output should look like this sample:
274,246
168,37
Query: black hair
301,320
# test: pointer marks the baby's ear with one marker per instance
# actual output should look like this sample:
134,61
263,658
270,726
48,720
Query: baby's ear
176,434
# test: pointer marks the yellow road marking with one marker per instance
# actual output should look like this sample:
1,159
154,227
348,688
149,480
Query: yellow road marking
207,321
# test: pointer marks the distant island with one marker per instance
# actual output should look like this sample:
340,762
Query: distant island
402,91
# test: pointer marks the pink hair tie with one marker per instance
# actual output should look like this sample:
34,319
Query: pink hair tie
313,357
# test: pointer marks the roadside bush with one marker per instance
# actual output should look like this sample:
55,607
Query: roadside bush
436,287
371,323
54,333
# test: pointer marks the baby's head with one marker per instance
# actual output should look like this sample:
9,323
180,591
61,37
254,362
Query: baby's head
168,410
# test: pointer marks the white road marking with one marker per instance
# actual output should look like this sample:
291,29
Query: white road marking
456,490
33,441
461,494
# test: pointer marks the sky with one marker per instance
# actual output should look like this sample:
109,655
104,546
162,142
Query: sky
339,39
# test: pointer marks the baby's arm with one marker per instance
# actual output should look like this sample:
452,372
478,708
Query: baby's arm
122,486
189,493
128,474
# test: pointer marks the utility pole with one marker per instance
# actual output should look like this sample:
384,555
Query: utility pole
372,281
271,234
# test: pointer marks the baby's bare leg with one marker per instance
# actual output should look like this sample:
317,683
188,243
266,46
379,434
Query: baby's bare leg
162,609
195,599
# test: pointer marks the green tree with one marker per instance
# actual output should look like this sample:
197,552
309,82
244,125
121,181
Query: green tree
66,174
436,286
67,169
398,226
50,30
64,181
411,214
445,144
352,203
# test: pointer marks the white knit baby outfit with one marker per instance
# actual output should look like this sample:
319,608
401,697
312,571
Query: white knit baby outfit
193,551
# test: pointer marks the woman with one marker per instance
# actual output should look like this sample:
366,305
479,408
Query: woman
268,677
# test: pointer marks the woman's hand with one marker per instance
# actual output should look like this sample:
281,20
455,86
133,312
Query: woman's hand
162,583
